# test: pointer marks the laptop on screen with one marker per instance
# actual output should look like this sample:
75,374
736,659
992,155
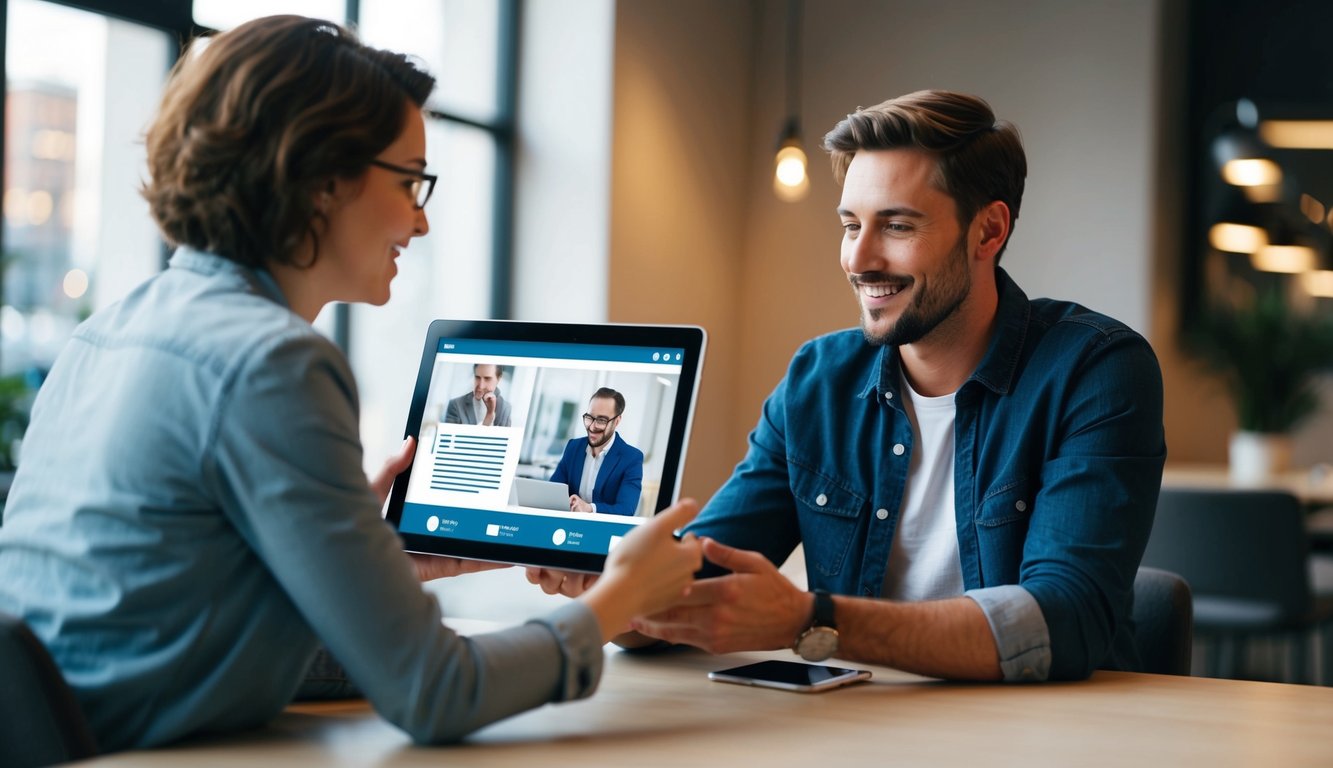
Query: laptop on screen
540,494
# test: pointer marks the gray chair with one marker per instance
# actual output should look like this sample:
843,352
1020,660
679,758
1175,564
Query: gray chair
41,722
1245,555
1163,622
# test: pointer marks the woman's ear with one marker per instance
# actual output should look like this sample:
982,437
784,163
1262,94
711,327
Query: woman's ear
324,197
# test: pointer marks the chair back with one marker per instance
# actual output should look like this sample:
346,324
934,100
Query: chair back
1248,548
1163,622
41,722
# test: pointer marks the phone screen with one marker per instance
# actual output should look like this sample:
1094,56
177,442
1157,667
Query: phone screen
790,675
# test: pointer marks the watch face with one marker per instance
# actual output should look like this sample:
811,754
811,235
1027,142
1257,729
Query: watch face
818,643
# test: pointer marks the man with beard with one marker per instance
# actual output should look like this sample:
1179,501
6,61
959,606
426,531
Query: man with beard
972,473
604,473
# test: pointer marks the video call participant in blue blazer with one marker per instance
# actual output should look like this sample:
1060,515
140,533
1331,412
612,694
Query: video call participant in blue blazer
604,473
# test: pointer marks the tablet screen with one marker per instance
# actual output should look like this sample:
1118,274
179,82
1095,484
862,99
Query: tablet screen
542,443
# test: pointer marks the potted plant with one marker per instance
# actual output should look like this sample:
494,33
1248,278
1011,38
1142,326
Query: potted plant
1270,357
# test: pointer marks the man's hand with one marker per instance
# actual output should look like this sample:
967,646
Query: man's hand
396,463
489,400
567,583
648,572
577,504
754,608
431,567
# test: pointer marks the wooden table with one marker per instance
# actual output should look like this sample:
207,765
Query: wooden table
662,711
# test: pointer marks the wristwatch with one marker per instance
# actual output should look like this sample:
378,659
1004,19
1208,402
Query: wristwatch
820,640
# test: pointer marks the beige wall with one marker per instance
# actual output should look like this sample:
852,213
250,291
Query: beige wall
1077,78
679,177
697,235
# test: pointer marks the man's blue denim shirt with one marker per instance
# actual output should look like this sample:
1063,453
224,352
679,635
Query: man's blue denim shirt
1059,454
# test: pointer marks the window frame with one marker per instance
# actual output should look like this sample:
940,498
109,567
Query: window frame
176,17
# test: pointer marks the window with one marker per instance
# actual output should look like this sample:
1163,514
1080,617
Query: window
79,90
451,272
77,236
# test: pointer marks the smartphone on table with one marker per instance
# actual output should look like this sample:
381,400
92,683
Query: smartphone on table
790,676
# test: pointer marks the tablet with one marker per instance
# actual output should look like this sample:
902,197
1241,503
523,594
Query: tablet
544,443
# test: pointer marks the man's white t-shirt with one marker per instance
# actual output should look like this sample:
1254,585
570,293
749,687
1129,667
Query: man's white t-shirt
923,561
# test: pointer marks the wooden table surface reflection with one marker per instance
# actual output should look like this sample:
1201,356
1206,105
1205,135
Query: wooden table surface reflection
662,710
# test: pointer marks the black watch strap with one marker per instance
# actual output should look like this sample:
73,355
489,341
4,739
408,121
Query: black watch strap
824,610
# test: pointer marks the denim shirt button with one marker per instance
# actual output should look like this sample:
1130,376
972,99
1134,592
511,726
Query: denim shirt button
821,499
899,449
1020,505
888,396
882,514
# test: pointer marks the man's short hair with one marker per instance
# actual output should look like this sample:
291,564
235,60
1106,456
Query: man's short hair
978,159
611,394
499,370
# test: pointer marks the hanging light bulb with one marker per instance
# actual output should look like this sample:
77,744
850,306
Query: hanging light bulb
791,182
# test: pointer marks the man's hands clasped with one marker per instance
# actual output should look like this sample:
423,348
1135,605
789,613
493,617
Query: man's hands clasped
752,608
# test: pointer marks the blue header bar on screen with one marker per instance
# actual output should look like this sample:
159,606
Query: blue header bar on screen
558,351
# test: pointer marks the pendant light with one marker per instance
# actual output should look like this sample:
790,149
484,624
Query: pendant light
791,182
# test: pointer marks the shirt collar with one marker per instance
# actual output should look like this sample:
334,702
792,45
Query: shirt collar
605,448
260,280
998,367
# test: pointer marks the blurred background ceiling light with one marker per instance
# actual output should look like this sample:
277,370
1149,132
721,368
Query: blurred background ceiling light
1237,238
1318,282
1297,134
1291,259
1252,172
1312,208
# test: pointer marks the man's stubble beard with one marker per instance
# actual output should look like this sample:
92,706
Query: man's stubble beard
928,308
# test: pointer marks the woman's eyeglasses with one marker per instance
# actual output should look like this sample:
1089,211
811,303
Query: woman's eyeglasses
422,186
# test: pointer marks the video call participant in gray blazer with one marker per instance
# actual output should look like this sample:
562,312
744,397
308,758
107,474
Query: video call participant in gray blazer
483,405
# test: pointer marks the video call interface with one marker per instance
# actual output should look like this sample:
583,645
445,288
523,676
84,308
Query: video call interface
503,443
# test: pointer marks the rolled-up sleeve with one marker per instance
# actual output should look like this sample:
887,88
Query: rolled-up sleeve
1094,512
1020,632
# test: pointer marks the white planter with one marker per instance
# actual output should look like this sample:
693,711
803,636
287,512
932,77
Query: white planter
1258,456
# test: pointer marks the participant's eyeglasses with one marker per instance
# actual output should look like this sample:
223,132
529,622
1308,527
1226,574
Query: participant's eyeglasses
601,421
422,186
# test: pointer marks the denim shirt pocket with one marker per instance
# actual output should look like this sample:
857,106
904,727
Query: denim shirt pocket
830,516
1002,526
